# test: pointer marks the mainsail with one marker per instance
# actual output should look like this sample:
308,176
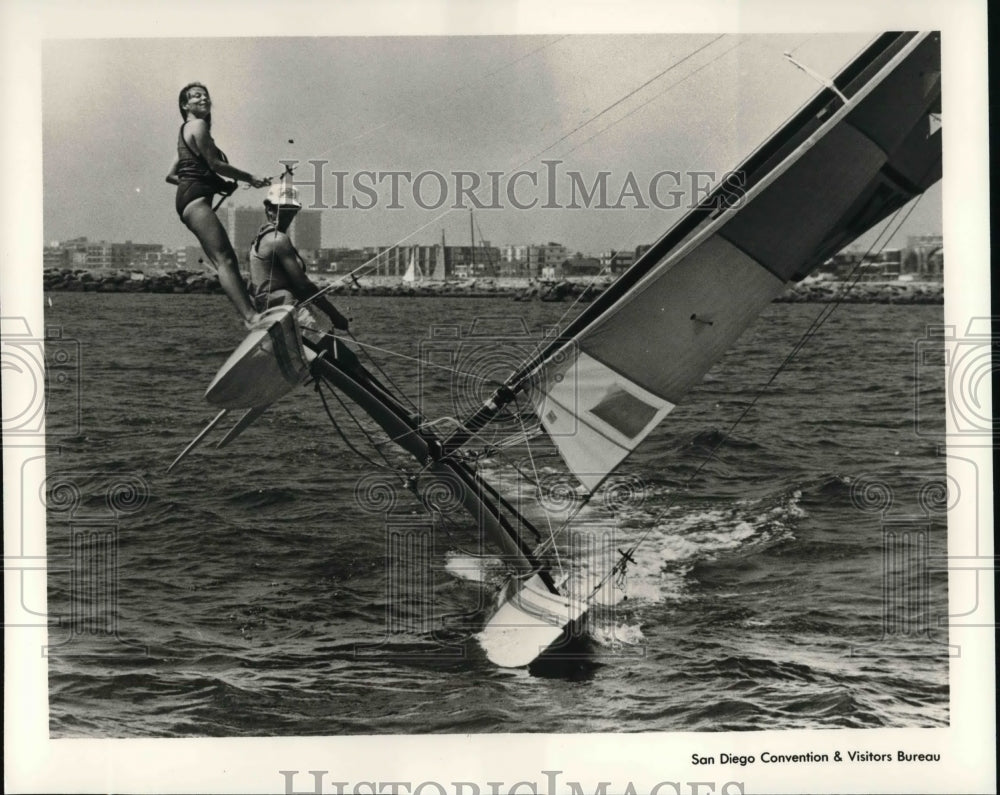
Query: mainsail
858,151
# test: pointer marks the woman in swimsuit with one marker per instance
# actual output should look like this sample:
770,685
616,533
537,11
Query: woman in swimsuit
198,173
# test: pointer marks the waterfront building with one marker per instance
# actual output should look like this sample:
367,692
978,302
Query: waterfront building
127,254
923,257
579,266
546,255
891,259
532,260
98,256
306,231
342,259
459,261
241,224
615,262
55,257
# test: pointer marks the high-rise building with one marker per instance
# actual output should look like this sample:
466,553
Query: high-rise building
245,221
306,230
924,256
533,259
617,261
56,257
98,255
242,224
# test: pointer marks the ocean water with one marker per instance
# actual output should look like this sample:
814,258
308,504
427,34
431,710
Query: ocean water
782,579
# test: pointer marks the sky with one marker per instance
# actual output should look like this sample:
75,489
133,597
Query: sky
627,106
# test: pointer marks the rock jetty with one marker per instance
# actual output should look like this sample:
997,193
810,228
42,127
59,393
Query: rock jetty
518,289
85,281
873,292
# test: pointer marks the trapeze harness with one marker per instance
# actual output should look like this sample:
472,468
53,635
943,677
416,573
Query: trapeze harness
195,179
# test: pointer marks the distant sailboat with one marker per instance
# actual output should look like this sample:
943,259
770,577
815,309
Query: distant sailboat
413,273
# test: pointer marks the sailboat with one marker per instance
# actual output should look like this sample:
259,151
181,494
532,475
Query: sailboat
858,151
413,273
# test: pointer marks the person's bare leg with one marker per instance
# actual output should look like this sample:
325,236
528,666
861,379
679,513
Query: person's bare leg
201,219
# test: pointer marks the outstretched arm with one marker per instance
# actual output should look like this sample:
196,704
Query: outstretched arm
302,286
207,148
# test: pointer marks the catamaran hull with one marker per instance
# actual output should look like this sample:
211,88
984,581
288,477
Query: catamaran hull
269,363
528,623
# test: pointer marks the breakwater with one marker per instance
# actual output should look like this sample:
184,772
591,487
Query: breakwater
518,289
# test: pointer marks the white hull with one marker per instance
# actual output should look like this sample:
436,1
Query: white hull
527,623
268,363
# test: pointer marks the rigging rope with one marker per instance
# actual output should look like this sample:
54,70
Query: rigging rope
387,465
424,363
400,394
630,94
534,469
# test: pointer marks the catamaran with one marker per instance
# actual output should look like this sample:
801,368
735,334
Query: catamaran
865,145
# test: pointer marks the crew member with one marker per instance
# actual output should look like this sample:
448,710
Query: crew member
277,273
199,173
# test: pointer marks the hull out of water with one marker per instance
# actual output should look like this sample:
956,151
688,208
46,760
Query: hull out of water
527,623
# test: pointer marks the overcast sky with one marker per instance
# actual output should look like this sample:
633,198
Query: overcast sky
627,105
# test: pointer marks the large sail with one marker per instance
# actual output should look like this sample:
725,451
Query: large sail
413,273
857,152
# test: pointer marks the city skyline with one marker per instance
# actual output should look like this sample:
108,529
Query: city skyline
623,123
899,241
922,255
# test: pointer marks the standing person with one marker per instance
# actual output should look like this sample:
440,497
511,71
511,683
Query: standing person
277,273
199,172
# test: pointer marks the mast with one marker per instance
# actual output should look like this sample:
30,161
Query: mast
472,245
440,269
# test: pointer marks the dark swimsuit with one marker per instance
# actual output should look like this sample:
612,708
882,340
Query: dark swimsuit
195,178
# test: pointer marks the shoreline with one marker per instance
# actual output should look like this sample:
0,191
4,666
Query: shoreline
509,288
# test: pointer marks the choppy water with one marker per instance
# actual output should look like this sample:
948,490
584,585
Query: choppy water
783,585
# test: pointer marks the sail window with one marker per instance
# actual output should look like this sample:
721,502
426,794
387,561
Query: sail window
624,412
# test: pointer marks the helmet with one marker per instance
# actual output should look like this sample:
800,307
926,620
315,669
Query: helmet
283,195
